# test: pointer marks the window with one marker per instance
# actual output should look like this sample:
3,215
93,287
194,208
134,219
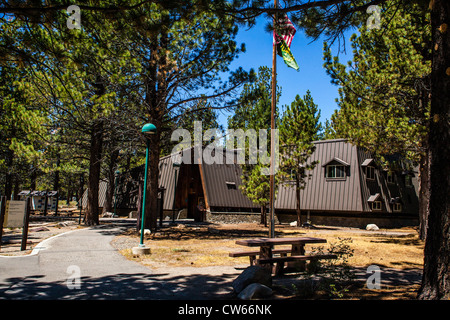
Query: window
376,206
397,207
335,171
390,177
231,185
370,173
293,175
408,180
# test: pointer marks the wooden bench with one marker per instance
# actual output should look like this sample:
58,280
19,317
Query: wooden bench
267,251
279,269
252,254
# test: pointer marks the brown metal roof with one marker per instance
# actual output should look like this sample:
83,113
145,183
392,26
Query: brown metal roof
325,194
167,180
222,183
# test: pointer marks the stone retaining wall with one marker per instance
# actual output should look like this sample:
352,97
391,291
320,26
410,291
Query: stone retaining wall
334,220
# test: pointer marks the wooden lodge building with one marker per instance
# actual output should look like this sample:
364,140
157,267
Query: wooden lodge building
346,188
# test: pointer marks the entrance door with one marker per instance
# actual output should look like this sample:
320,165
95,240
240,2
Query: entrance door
192,206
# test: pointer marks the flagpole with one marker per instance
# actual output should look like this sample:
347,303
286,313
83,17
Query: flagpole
272,127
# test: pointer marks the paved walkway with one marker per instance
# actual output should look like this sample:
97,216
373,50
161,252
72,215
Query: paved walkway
51,271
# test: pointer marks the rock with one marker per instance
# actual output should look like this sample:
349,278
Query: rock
308,225
147,232
293,224
108,215
372,227
64,224
39,229
213,231
253,274
255,291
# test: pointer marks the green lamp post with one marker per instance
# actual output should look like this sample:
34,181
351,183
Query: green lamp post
147,129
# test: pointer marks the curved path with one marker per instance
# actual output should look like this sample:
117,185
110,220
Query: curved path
82,264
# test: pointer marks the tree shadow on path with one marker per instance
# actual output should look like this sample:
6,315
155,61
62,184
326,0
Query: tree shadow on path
137,286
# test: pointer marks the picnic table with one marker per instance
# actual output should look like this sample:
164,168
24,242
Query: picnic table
267,251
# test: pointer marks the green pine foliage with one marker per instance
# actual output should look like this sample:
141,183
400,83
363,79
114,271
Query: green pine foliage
254,112
299,127
383,90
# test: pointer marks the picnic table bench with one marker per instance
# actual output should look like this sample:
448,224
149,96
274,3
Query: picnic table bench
266,252
252,254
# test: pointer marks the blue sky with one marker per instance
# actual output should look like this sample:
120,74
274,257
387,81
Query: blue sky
311,74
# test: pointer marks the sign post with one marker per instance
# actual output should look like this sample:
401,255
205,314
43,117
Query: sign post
26,220
15,214
2,217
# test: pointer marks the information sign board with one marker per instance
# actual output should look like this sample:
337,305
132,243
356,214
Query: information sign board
15,213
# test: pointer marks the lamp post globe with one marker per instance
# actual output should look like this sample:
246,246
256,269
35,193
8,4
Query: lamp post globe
148,128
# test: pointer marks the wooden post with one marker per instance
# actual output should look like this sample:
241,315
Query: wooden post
2,217
298,250
161,208
57,202
26,220
45,203
139,206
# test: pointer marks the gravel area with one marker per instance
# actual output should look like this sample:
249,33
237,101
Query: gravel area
40,228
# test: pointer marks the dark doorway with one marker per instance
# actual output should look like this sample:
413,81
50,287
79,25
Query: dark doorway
192,205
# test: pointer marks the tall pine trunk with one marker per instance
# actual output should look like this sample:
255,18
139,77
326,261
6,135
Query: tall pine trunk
92,210
109,199
151,204
156,100
424,191
436,273
297,196
263,215
9,170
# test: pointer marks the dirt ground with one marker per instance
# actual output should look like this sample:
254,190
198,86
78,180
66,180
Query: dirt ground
40,228
397,252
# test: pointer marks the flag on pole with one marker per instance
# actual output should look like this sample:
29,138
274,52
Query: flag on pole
282,38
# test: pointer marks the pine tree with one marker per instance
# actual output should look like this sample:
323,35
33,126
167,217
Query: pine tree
253,113
384,105
300,126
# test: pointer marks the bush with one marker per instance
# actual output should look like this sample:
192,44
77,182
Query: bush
336,274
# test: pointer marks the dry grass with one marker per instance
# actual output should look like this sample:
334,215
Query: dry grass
393,251
185,246
202,246
175,253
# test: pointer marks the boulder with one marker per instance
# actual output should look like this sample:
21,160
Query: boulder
372,227
39,229
255,291
293,224
147,232
252,274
